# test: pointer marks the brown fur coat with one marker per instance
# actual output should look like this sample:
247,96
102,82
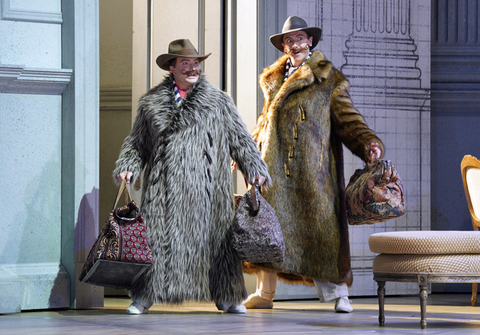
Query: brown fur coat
300,133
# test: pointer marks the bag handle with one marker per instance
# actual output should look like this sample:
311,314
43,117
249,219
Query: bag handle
254,196
253,193
372,160
122,187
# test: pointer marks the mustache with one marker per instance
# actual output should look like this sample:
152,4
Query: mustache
290,50
194,72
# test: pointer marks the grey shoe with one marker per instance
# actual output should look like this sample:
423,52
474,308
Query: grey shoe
136,309
223,307
237,309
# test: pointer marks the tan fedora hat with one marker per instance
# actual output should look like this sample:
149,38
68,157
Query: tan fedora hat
292,24
179,48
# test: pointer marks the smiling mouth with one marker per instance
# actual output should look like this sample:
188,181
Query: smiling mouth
297,50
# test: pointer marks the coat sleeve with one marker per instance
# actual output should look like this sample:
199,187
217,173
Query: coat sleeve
135,149
349,125
243,149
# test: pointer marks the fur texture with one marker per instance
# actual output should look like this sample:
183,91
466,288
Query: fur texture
300,133
187,198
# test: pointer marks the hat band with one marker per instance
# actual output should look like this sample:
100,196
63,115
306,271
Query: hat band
294,27
185,52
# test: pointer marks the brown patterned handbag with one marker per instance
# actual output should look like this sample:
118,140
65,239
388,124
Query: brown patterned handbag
122,251
374,194
257,234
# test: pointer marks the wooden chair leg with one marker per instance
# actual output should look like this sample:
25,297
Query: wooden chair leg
474,294
381,303
423,306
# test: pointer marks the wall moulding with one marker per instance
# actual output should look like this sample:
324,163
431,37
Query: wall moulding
454,98
20,80
116,99
459,50
39,285
455,64
12,14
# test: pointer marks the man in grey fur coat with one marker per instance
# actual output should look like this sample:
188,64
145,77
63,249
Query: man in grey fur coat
184,137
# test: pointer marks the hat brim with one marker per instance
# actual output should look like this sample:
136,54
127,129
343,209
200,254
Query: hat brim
315,32
163,60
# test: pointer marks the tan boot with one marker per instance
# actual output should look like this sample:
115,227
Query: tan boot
263,297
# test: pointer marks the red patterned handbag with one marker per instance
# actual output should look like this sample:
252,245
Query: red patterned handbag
122,251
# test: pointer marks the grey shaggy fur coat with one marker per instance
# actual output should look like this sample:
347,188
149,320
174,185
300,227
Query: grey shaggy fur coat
300,132
187,199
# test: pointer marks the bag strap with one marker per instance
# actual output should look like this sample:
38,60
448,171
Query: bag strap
121,189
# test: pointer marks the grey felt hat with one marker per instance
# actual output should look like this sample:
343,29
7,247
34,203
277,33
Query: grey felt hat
179,48
292,24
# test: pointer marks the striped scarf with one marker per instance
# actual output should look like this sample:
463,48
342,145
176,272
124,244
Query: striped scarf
178,99
289,65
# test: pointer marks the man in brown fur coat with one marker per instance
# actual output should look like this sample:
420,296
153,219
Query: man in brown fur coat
306,117
183,138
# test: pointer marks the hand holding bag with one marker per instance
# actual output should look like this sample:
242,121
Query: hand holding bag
122,251
374,194
257,234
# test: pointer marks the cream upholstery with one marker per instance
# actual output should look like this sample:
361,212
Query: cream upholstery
427,264
470,169
426,242
473,182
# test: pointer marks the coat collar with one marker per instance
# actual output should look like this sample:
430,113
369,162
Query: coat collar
316,68
168,116
197,95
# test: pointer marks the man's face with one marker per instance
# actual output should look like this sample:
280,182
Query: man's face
186,72
297,46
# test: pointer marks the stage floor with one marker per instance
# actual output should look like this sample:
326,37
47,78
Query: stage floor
446,314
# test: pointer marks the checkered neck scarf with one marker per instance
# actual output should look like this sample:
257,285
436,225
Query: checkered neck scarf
178,99
289,65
